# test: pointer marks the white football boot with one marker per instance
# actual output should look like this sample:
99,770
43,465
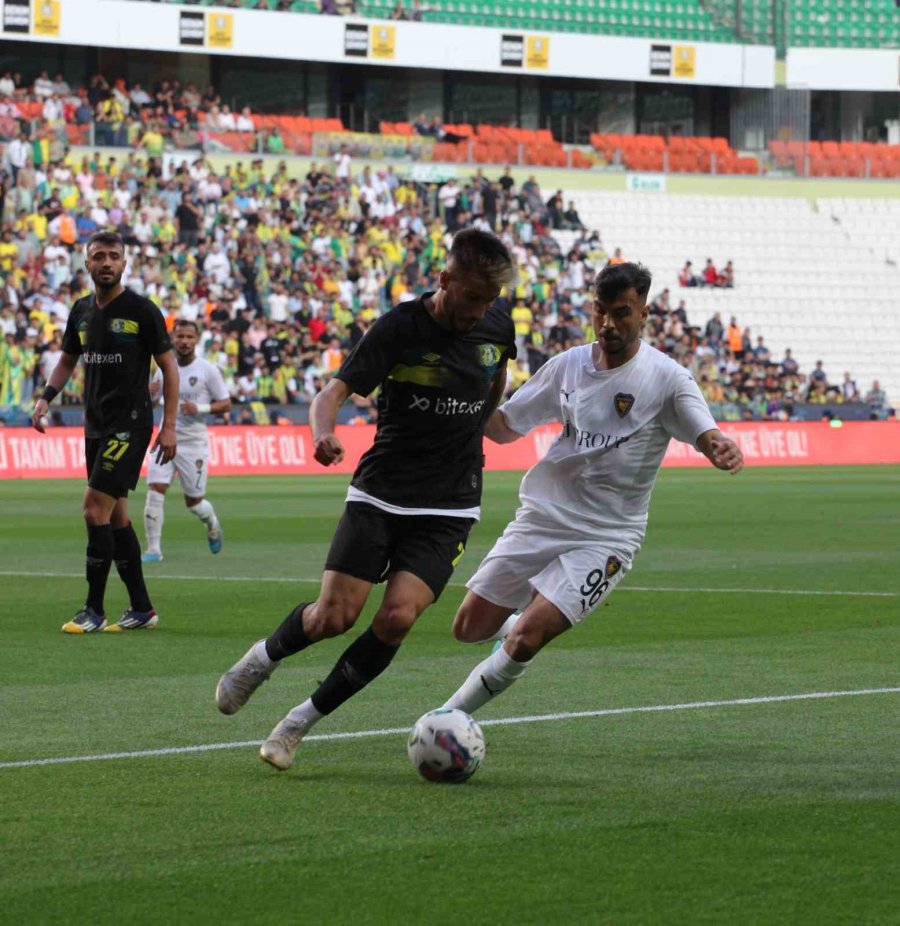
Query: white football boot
281,745
241,680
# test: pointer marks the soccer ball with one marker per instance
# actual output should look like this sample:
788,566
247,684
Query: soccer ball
446,745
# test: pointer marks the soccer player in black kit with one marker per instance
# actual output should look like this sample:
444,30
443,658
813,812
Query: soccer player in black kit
441,363
115,332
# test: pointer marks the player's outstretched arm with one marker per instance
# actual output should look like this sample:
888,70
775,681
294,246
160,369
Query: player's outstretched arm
322,419
55,384
721,451
166,443
498,430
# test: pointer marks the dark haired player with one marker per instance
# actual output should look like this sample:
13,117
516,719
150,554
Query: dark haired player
440,361
583,510
115,332
201,392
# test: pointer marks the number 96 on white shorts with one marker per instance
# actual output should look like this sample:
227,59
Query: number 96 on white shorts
575,575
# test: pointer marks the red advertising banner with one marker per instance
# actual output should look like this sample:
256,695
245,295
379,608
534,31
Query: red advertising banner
25,454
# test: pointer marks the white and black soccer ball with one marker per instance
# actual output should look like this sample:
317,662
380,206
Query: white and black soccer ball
446,745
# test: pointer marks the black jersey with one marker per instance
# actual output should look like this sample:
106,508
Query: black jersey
432,407
116,344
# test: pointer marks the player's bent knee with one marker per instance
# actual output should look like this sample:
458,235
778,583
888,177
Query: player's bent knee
466,629
524,643
329,619
94,513
394,621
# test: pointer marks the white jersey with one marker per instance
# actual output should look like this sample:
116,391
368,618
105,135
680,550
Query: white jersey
600,470
199,382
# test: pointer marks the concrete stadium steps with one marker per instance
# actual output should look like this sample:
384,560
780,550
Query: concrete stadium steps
812,279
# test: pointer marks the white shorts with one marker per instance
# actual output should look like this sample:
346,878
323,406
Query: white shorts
575,572
192,464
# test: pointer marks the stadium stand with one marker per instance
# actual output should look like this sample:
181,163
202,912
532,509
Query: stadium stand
815,23
798,270
180,116
284,273
844,23
678,154
674,19
837,159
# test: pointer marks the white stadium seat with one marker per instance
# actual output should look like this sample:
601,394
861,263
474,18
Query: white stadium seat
822,279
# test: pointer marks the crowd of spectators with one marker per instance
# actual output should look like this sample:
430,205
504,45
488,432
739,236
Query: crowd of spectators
709,276
121,114
284,273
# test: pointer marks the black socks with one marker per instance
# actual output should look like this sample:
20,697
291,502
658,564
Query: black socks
362,662
99,559
289,638
127,554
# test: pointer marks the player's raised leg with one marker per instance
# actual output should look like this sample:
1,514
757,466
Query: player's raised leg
405,598
540,622
481,621
202,509
341,599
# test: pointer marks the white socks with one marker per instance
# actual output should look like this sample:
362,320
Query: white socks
305,714
487,680
262,654
154,513
206,513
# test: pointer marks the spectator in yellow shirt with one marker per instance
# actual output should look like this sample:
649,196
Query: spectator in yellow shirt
517,374
8,251
522,318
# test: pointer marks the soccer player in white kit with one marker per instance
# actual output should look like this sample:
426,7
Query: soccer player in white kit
202,391
583,510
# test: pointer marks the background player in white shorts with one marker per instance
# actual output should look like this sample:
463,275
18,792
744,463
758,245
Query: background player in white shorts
584,506
202,391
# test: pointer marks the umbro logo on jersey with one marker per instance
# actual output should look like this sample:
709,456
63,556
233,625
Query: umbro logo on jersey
623,402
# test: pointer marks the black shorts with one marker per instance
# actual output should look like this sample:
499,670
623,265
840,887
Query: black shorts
114,462
370,544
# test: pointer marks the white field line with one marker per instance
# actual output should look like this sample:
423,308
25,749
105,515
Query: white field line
503,721
832,593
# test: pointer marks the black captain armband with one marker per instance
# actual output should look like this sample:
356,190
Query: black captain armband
49,394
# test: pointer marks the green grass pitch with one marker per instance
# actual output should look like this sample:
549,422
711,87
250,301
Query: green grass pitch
772,812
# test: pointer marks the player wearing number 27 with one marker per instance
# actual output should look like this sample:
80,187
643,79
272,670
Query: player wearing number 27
115,332
583,510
